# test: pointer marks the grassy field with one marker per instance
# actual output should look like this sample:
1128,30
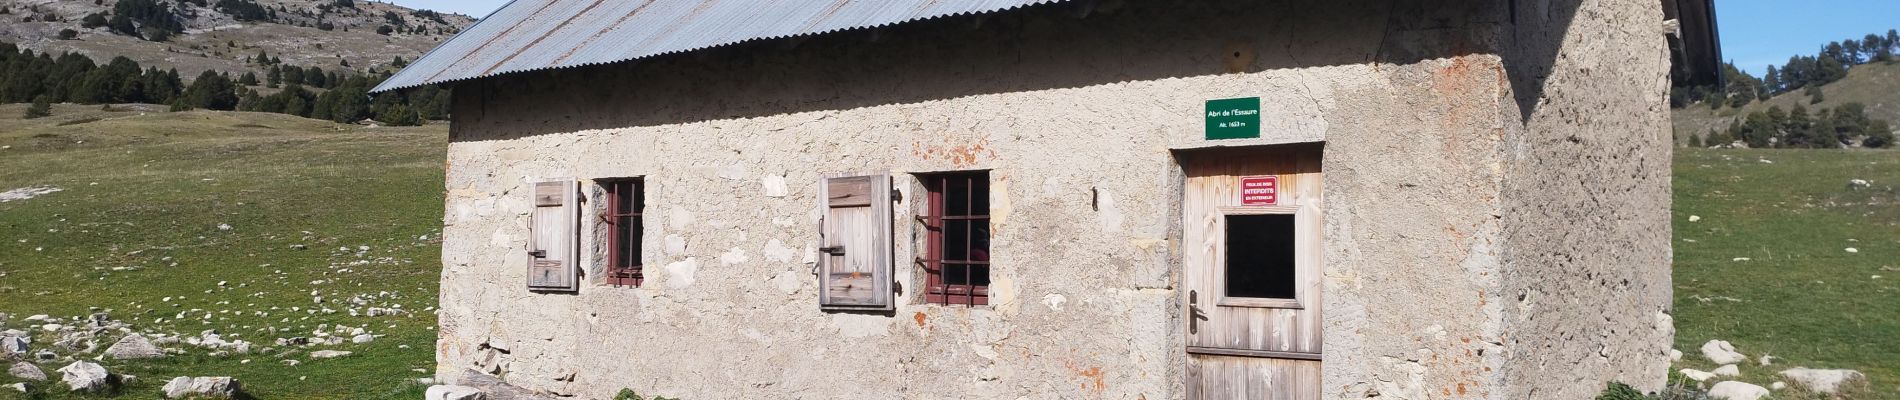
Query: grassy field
1766,264
187,222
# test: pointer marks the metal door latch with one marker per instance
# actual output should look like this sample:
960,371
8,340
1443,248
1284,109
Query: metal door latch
833,250
538,253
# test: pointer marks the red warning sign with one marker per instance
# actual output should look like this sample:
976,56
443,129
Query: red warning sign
1260,190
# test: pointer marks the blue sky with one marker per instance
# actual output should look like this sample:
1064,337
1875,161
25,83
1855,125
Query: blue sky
476,8
1757,33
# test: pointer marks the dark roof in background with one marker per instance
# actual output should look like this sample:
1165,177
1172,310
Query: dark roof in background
529,35
1697,47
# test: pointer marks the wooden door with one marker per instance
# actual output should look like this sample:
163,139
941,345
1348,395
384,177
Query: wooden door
1251,221
855,268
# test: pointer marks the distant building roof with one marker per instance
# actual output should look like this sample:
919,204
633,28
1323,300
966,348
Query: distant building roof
529,35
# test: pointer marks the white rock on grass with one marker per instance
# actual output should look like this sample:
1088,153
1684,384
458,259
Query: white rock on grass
322,354
27,371
215,387
1697,375
1694,218
134,346
1766,360
1675,355
1721,352
452,392
1827,381
1852,250
1727,370
14,345
21,387
1778,385
83,376
360,339
1734,390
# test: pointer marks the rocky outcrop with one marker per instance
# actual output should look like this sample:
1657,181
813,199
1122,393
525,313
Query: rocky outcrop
83,376
134,346
218,387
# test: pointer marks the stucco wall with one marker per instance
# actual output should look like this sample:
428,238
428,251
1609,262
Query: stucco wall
1073,109
1587,202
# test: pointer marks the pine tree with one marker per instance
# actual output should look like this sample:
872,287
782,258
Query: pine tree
42,107
1771,81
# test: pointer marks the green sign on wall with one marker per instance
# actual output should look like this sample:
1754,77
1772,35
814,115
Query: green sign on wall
1233,118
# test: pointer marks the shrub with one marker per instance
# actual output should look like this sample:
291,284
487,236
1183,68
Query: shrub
628,394
42,107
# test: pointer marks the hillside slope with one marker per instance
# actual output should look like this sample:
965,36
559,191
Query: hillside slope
214,40
1876,85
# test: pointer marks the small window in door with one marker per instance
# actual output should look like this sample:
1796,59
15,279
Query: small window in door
1260,259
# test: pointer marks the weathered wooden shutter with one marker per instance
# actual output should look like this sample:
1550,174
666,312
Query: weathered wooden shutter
854,268
553,237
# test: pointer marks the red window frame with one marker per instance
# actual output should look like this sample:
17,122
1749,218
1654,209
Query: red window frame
626,202
937,290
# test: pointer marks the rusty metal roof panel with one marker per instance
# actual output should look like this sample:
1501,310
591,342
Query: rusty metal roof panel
529,35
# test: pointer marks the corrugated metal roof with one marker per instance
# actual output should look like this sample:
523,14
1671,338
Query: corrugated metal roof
528,35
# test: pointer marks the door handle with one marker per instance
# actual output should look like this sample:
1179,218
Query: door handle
833,250
538,253
1194,312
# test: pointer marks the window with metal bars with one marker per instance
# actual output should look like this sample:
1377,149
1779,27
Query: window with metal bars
957,252
626,198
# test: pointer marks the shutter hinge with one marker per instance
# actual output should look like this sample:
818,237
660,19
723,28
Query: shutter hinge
897,195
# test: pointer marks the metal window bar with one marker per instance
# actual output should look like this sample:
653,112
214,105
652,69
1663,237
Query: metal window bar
625,203
939,289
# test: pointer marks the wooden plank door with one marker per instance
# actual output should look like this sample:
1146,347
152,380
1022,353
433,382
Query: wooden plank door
553,236
855,266
1251,221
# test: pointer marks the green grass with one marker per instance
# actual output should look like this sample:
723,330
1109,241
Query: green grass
1801,296
145,190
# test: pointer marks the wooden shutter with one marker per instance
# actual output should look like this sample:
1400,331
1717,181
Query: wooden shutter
854,267
553,244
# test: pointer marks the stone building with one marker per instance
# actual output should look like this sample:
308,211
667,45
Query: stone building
1399,199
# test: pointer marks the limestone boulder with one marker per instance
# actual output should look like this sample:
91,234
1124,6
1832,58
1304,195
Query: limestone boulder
1696,375
14,345
215,387
21,387
1734,390
27,371
1721,352
1727,370
1827,381
452,392
132,347
322,354
83,376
